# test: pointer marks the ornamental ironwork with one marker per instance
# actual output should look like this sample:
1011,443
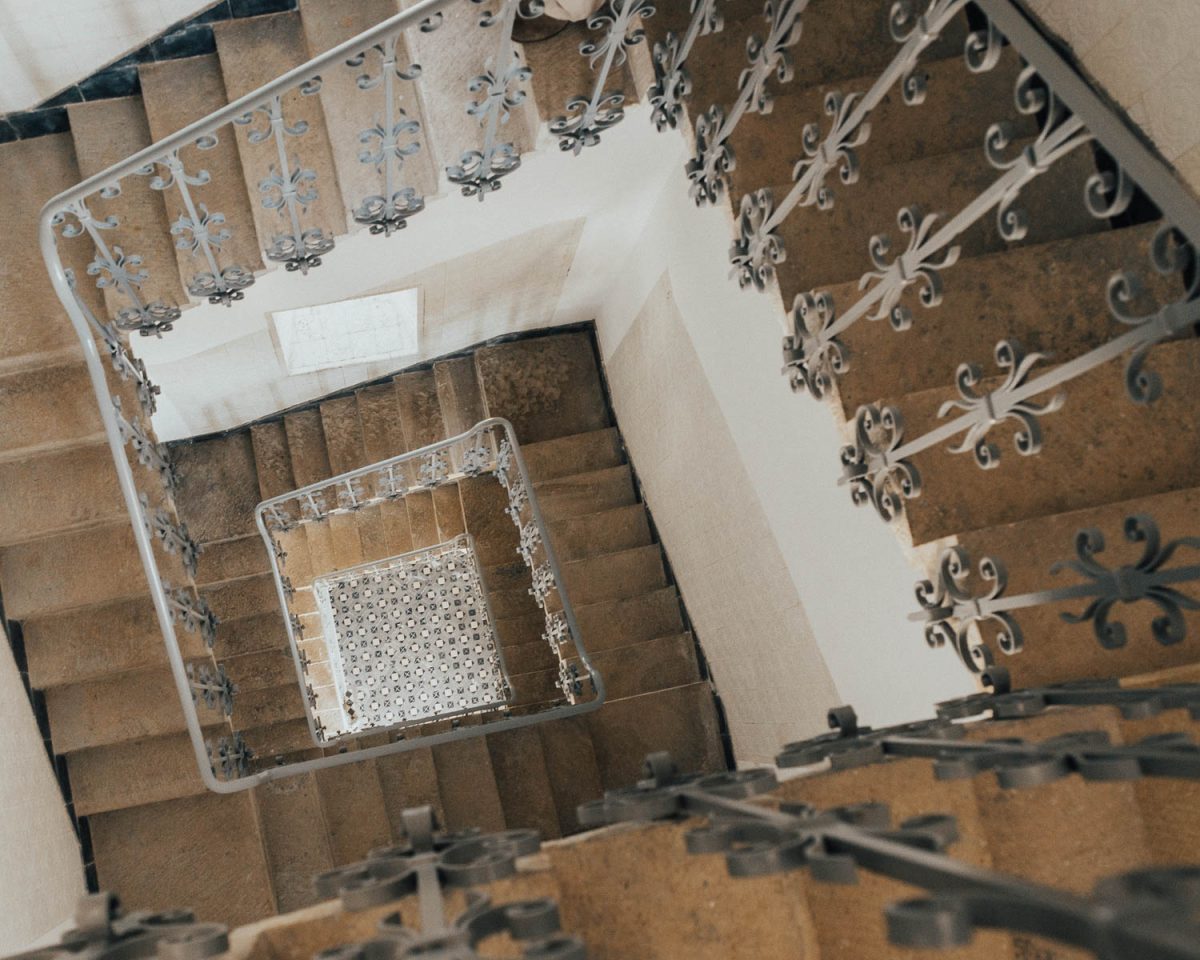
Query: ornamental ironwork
672,82
953,613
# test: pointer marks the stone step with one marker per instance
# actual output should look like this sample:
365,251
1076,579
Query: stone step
1057,651
958,109
119,708
176,93
261,670
448,511
484,501
218,486
134,773
58,492
680,720
306,447
459,394
282,739
409,779
254,51
604,625
106,132
1051,298
350,111
233,559
343,434
523,781
1130,450
571,766
419,409
247,597
827,247
203,851
467,785
33,171
66,647
547,387
294,838
103,565
449,130
379,414
251,634
267,707
272,459
595,534
48,409
354,810
577,453
585,493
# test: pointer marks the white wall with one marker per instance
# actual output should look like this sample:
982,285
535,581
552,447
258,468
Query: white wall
41,875
853,580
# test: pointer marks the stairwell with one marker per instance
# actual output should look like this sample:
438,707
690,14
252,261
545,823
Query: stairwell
94,648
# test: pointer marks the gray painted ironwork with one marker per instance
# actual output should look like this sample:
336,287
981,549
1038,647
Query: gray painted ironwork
114,268
589,115
391,139
193,612
713,161
161,524
431,864
500,88
759,247
212,686
200,231
672,82
1133,703
1141,915
153,456
289,186
229,757
102,931
1016,763
953,613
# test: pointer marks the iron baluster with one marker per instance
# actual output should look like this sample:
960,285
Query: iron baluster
114,268
213,686
193,612
174,538
289,187
759,247
383,143
153,456
710,167
589,116
671,80
952,613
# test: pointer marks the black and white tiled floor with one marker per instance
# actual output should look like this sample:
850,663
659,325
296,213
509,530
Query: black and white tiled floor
410,638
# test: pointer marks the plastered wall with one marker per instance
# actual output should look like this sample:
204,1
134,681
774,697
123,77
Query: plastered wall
41,875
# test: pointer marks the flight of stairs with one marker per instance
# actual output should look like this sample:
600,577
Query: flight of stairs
1103,457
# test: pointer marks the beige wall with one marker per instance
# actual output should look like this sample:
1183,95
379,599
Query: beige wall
41,876
1143,53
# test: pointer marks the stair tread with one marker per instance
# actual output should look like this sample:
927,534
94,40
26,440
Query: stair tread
218,486
572,454
48,409
293,831
57,492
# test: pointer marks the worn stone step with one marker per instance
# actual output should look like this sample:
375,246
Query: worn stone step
106,132
176,93
195,851
612,576
47,409
294,838
268,706
1055,650
419,408
233,559
57,492
218,486
101,565
343,434
1050,297
254,51
379,414
571,766
448,511
251,634
584,493
133,773
354,811
459,394
350,111
33,171
92,642
246,597
680,720
546,387
958,109
449,130
119,708
611,623
288,737
522,781
306,447
408,779
272,459
595,534
577,453
1130,451
261,670
467,785
827,247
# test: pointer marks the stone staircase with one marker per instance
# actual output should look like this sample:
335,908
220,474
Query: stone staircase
93,643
